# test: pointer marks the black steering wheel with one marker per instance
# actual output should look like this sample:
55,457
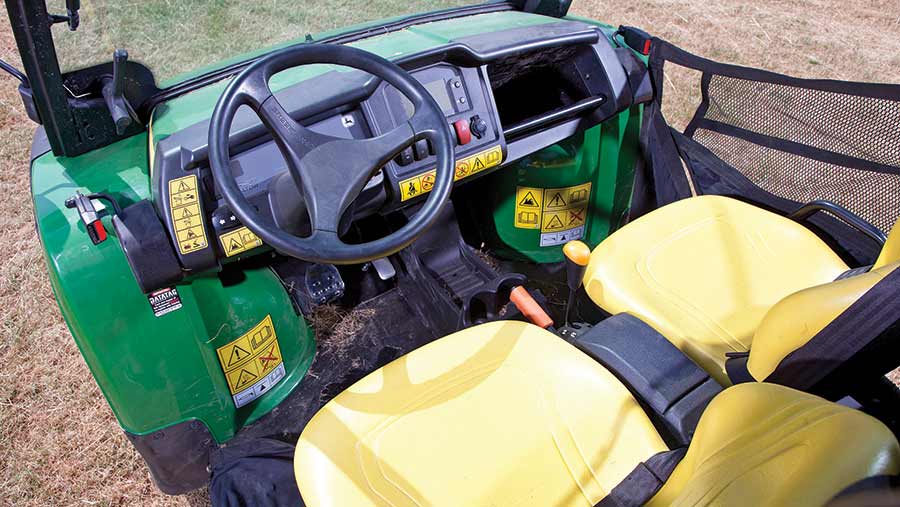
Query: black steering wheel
329,171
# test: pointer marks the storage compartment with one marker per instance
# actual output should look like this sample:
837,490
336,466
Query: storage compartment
535,85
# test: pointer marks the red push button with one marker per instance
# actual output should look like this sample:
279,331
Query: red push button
463,135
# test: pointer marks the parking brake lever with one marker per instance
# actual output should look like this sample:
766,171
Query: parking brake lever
114,93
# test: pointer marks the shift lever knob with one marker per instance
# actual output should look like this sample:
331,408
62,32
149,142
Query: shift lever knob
577,256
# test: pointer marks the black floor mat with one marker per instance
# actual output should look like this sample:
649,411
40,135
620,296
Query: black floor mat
387,327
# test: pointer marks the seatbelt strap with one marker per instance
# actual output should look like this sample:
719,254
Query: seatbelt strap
850,273
644,481
860,324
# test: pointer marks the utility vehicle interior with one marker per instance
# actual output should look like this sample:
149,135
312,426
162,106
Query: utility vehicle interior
547,296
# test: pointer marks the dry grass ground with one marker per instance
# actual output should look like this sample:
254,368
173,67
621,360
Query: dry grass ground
59,443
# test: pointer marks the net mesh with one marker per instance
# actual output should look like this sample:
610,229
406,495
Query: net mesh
865,128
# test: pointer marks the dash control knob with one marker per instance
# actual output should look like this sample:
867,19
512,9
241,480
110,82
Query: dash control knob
477,126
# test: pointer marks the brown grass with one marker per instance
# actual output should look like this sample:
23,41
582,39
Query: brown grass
336,327
59,442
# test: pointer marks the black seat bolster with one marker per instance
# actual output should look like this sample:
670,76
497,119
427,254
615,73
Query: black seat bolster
672,388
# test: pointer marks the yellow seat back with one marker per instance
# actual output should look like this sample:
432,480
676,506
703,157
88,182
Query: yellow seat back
761,444
796,319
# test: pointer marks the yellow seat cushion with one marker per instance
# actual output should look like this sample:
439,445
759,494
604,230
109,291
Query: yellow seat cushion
501,414
704,271
761,444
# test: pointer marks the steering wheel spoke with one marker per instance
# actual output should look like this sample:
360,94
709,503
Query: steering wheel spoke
339,169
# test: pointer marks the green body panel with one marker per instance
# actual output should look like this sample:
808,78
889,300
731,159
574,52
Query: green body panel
603,155
154,371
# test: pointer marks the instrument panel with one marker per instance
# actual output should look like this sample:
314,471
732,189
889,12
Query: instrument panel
463,94
354,104
205,231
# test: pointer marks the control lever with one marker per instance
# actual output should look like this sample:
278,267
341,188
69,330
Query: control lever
577,256
114,93
487,303
90,215
72,19
530,308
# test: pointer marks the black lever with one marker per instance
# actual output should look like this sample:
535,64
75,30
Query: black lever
72,18
114,93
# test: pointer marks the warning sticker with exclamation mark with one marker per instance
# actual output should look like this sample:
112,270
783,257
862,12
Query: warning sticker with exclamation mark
559,213
252,363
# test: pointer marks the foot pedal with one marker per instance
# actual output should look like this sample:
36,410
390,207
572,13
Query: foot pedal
384,268
310,285
323,283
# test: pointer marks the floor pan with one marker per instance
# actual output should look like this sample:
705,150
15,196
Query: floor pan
350,344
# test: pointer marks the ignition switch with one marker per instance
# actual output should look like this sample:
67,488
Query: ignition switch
477,126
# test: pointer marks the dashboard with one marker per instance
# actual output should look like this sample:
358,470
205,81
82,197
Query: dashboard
503,95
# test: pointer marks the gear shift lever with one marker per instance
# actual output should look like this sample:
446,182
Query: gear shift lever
577,256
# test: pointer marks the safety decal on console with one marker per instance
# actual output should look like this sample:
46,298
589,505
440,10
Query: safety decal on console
239,241
184,201
252,363
473,164
559,213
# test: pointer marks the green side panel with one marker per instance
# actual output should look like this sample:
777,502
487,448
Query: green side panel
604,155
154,371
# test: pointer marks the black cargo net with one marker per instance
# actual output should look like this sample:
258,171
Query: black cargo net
777,141
805,144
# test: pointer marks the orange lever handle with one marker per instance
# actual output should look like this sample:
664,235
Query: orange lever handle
530,308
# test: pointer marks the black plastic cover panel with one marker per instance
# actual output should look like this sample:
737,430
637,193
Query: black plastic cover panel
672,388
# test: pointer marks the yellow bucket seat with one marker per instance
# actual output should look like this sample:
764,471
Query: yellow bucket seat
714,275
508,414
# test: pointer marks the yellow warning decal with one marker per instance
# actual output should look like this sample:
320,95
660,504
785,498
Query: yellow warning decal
251,357
551,209
528,207
473,164
239,241
187,218
565,208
